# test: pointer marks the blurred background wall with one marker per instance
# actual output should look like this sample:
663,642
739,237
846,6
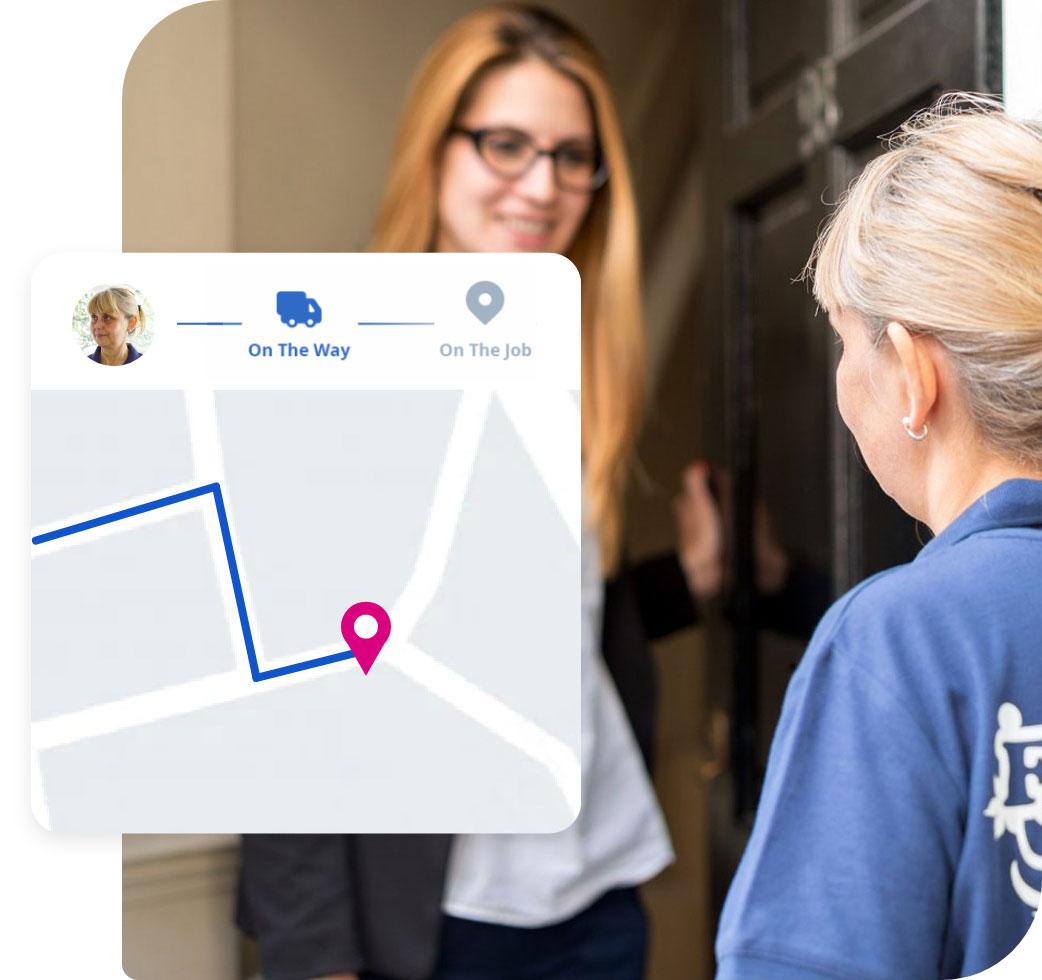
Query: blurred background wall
266,125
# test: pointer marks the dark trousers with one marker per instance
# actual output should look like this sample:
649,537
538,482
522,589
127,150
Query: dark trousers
607,941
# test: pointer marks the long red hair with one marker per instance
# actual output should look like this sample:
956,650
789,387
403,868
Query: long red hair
606,250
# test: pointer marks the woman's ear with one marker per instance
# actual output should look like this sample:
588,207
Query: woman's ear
132,323
918,372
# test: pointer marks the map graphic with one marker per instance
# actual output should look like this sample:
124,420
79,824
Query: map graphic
193,551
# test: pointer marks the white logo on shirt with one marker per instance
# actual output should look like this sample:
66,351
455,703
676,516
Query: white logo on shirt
1013,736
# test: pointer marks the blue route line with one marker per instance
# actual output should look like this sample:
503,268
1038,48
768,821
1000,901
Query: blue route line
233,570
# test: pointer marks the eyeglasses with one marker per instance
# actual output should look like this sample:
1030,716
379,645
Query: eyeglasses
511,153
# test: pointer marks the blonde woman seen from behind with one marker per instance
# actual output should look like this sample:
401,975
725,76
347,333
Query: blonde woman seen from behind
900,829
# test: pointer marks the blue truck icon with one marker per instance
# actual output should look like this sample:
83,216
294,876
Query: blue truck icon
295,307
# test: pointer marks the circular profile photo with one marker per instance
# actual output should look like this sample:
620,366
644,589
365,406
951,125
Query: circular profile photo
113,325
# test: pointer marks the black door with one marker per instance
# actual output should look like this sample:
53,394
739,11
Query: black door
795,94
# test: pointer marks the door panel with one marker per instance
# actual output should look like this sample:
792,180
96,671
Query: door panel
782,39
868,13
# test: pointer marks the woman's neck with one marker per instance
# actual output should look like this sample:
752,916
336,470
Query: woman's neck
966,482
120,357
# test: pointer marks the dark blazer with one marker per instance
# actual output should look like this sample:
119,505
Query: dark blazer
320,904
341,903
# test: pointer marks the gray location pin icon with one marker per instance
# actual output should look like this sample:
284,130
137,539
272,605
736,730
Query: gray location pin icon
484,300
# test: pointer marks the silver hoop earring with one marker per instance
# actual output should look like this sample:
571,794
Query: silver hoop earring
917,436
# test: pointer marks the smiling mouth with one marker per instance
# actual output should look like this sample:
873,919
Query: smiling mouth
528,226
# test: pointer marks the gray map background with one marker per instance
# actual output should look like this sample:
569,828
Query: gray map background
126,614
90,448
503,637
328,494
324,756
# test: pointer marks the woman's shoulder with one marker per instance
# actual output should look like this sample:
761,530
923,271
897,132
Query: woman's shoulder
954,617
960,583
880,596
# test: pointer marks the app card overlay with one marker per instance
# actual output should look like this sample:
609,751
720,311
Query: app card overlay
308,559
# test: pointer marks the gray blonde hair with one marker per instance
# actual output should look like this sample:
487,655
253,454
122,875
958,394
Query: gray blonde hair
943,233
118,299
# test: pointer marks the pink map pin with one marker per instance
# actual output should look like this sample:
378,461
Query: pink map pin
366,648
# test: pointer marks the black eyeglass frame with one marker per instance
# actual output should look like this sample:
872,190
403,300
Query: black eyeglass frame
476,136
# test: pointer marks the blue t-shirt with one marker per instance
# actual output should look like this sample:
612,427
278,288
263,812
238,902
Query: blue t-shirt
899,834
132,354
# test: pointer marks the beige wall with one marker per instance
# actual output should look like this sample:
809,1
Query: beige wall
266,125
178,173
178,901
